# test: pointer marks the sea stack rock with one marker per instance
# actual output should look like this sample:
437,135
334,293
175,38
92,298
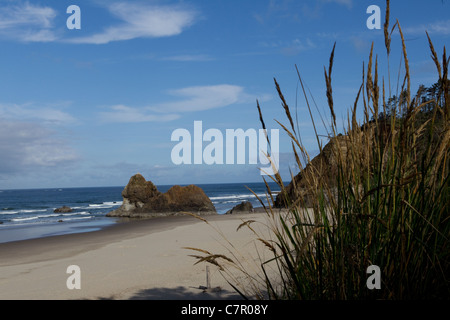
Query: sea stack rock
243,207
141,199
63,209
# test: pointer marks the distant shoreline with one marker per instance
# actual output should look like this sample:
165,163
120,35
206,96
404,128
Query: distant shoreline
30,214
9,234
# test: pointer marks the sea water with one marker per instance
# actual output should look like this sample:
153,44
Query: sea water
27,214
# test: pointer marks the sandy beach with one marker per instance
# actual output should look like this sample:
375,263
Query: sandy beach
143,259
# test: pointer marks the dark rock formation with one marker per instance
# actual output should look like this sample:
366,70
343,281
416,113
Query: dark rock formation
63,209
323,167
141,199
243,207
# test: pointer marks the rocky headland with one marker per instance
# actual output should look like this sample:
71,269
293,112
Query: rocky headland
323,167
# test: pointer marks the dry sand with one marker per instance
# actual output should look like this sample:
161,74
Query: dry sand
134,260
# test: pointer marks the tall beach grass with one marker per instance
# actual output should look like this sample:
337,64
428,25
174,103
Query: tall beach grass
377,195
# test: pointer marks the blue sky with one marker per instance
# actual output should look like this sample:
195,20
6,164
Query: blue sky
91,107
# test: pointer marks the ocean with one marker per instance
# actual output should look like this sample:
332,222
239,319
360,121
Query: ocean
28,214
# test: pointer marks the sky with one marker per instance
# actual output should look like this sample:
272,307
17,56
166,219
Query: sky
93,106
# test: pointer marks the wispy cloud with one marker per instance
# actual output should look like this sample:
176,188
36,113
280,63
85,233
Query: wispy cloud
31,112
202,98
31,139
347,3
360,42
436,28
297,46
314,9
125,114
275,10
27,146
27,22
189,58
191,99
142,21
289,48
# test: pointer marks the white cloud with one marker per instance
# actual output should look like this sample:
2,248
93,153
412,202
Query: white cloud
30,140
27,22
298,46
27,146
26,14
188,58
44,35
28,112
436,28
290,48
192,99
360,43
314,9
347,3
125,114
202,98
142,21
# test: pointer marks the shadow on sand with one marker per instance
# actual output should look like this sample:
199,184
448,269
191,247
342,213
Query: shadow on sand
182,293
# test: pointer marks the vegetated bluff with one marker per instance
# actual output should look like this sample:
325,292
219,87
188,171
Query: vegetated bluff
141,199
323,169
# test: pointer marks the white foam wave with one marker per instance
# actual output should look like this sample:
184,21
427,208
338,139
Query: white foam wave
24,219
78,218
99,206
228,197
96,206
32,210
9,212
53,215
113,203
83,213
47,216
79,213
237,197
